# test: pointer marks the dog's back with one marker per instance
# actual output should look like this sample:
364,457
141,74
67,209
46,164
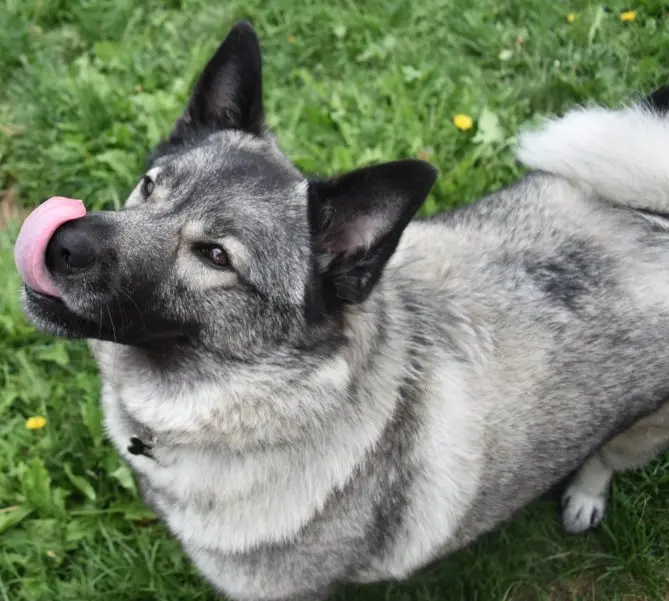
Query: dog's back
559,292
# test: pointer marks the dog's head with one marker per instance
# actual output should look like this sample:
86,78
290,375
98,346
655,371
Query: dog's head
223,241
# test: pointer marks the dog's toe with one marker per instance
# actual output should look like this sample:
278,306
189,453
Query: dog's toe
582,510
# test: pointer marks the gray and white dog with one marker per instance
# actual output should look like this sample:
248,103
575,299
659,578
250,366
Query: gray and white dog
315,388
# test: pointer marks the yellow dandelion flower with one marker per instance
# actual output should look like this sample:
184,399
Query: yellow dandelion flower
463,122
571,17
292,39
36,423
627,16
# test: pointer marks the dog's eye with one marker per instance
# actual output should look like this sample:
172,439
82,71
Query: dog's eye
147,186
216,255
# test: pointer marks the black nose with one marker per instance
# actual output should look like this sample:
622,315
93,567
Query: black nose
72,249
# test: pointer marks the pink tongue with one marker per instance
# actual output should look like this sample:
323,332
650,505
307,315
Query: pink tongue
36,231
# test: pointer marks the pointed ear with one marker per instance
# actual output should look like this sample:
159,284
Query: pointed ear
358,218
228,93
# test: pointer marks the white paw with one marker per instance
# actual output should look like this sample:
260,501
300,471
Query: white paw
581,510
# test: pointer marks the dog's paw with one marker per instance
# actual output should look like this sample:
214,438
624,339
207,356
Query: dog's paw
581,510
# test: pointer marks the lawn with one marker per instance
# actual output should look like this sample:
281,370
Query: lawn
88,86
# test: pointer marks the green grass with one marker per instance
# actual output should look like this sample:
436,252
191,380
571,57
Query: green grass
88,86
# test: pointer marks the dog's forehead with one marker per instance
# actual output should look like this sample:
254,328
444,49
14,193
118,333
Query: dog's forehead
230,175
230,157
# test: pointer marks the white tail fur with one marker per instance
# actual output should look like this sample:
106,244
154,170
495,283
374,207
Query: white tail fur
622,154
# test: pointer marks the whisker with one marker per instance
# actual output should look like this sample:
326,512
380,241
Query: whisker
111,322
132,300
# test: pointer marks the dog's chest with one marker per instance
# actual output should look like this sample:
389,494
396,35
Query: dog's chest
209,499
225,501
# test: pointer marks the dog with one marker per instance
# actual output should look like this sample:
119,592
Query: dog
314,386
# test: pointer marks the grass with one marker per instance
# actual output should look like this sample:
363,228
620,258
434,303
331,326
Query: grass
88,86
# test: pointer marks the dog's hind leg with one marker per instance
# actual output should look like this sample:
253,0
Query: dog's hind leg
585,500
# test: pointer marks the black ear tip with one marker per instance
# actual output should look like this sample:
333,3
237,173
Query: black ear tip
430,170
421,172
243,40
243,29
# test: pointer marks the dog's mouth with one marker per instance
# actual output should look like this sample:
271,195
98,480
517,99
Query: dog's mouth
51,315
46,299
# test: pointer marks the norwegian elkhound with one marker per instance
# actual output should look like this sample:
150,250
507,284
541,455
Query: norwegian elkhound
313,388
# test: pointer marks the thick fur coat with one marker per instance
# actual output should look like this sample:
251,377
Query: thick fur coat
313,387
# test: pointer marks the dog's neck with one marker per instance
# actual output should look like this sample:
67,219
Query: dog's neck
286,397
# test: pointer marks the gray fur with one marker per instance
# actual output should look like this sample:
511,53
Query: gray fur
297,444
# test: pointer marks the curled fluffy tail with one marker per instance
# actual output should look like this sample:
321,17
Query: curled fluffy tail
622,154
